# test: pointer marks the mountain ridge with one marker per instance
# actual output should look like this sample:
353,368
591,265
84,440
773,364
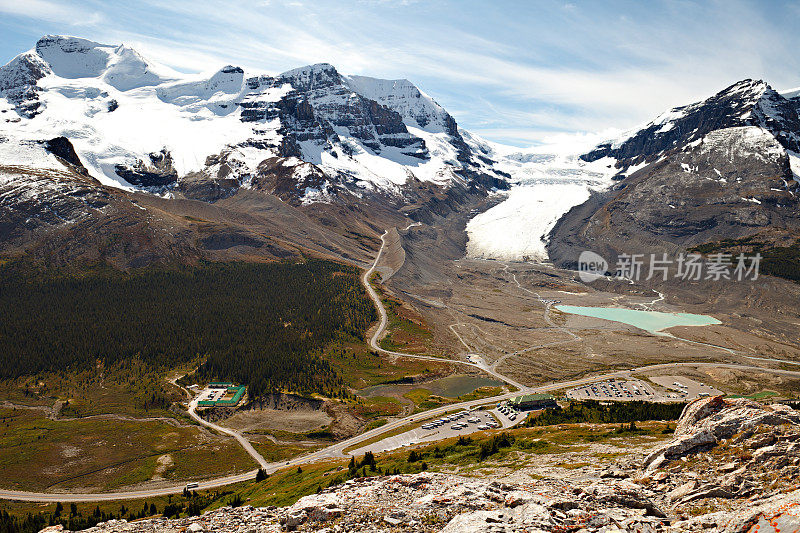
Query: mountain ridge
348,155
724,168
321,116
342,150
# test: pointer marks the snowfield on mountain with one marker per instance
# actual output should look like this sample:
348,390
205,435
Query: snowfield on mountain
313,136
122,113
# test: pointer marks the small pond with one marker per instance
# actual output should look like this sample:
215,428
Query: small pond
449,387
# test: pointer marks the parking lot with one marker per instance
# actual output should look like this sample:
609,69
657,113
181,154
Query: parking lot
617,390
508,417
684,388
470,420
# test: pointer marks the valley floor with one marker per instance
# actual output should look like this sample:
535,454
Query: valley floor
444,317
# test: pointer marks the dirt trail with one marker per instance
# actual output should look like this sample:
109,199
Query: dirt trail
380,331
53,413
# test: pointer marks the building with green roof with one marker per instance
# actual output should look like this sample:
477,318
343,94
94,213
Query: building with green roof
231,398
530,402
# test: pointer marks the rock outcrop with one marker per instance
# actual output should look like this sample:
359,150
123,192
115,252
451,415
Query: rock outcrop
709,421
736,458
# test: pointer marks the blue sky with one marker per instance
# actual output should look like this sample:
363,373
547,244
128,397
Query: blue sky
519,72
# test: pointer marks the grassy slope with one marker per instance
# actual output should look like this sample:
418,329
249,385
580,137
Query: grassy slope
37,453
475,455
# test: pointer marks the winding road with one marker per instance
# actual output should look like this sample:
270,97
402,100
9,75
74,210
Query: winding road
336,451
380,331
235,434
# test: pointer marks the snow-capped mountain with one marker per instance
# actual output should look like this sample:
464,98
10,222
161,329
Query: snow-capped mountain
746,103
99,145
721,169
136,124
104,153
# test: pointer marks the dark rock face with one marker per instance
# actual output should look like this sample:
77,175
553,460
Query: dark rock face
478,179
67,45
299,123
289,183
230,69
62,148
199,186
159,173
712,186
322,103
713,170
734,184
25,71
311,77
747,103
221,178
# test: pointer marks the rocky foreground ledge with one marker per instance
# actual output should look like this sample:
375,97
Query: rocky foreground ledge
739,458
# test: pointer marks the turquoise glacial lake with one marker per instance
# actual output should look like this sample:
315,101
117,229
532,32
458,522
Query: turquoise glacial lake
652,321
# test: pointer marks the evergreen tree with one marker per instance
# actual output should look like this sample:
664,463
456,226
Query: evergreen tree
167,317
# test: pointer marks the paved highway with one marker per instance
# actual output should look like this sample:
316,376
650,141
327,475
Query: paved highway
336,451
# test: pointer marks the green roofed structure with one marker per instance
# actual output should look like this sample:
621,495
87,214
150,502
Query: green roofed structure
530,402
218,385
230,398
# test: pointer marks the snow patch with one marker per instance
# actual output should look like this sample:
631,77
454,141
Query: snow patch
119,66
517,228
794,163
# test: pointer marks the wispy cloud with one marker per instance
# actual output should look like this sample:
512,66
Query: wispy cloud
51,11
516,71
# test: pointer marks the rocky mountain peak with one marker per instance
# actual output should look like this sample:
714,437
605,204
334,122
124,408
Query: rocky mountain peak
754,88
722,168
23,72
311,77
120,66
18,82
745,103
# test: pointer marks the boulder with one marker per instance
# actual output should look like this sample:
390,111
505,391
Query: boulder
777,513
707,421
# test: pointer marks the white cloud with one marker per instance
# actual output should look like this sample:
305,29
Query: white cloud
51,11
565,68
